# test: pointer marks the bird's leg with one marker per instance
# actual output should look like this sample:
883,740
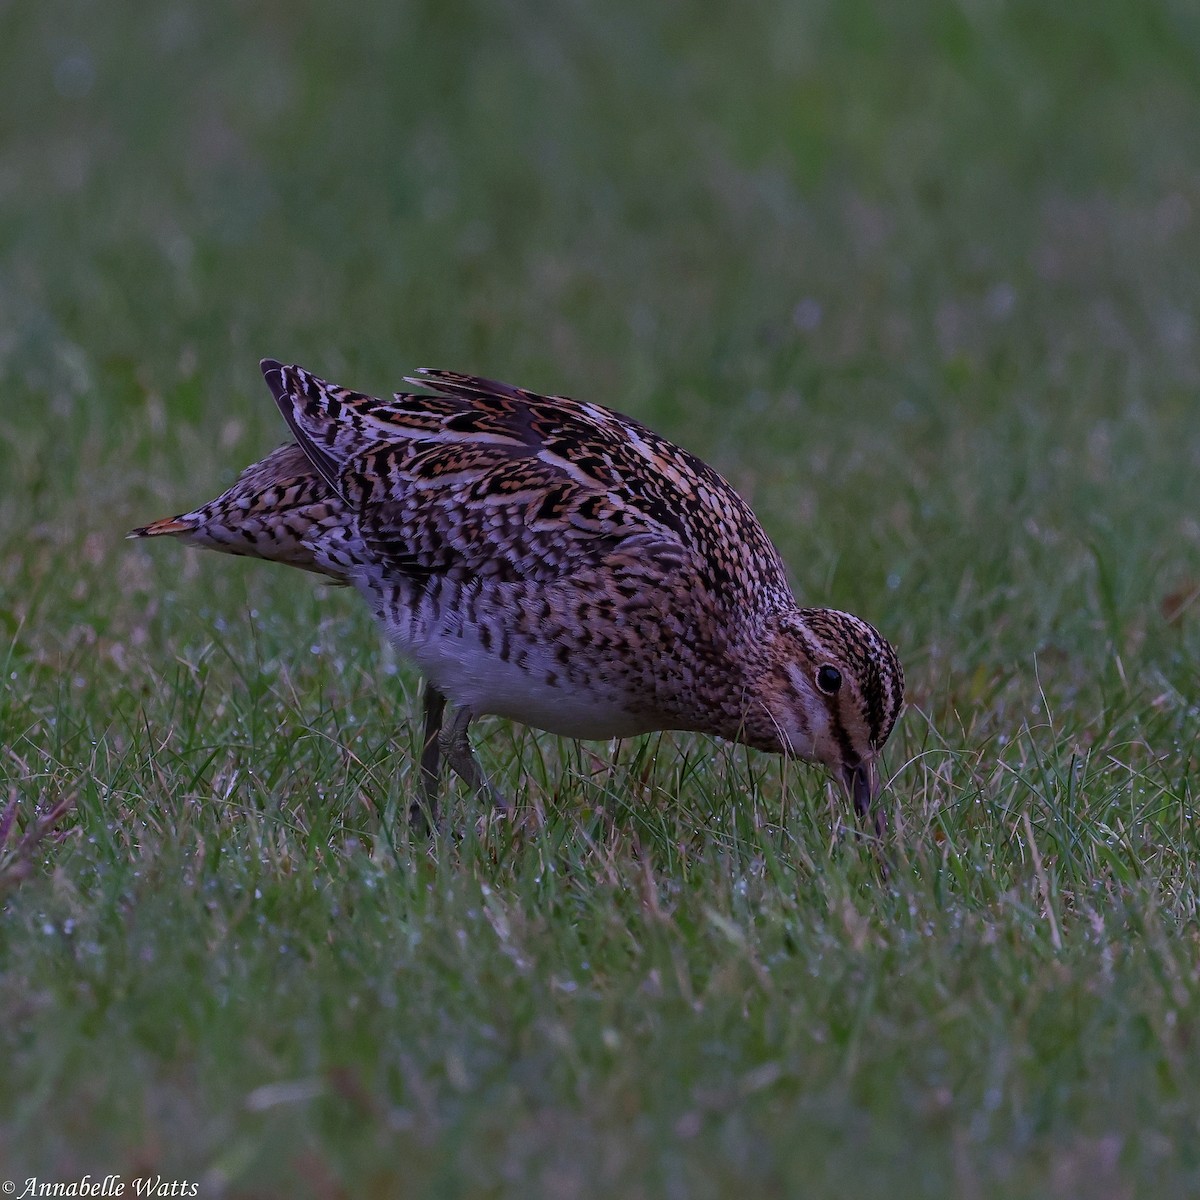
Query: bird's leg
458,754
423,812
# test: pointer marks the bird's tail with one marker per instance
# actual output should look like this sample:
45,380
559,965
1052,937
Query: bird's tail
168,525
279,509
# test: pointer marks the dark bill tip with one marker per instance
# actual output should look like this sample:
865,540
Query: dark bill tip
858,784
862,782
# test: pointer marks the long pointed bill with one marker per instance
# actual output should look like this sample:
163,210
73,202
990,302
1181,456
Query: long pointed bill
862,783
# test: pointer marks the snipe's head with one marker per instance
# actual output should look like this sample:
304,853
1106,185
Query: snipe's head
831,694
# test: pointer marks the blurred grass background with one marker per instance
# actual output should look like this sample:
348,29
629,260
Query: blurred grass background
922,281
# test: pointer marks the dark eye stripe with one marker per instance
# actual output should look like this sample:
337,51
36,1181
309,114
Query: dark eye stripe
871,662
873,695
849,758
883,710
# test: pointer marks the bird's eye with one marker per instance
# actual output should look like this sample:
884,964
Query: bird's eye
829,680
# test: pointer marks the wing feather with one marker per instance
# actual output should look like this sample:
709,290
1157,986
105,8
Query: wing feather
430,508
480,476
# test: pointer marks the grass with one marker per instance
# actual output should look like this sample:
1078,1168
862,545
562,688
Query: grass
922,281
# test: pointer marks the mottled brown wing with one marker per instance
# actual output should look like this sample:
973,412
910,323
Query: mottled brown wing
496,511
672,489
563,481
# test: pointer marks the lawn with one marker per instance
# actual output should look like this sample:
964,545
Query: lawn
923,280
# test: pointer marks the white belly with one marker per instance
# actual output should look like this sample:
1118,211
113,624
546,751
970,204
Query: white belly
451,654
468,675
